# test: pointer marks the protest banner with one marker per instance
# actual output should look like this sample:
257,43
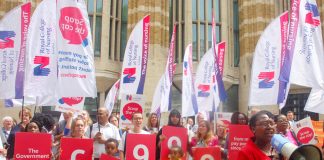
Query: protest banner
75,57
174,136
239,135
76,148
189,100
129,105
140,146
70,104
224,116
304,131
135,59
13,36
41,56
32,146
107,157
318,128
206,153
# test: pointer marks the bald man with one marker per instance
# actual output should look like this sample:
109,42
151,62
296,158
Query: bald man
107,130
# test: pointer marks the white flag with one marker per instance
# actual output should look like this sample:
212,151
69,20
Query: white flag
204,82
41,66
76,77
135,59
112,96
13,35
168,76
189,101
266,65
308,57
156,102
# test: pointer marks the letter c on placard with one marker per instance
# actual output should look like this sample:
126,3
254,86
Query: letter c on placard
174,138
207,156
75,153
145,156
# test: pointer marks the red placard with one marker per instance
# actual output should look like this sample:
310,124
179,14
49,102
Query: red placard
174,136
32,146
238,137
108,157
204,153
140,146
76,148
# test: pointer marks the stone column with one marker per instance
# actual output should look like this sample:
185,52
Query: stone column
254,16
159,40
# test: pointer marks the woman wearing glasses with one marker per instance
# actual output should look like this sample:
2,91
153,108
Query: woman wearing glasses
259,147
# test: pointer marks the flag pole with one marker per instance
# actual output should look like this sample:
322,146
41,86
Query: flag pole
97,113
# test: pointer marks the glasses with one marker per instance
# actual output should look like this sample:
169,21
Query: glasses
265,124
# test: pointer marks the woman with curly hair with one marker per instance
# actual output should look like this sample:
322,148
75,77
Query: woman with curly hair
204,137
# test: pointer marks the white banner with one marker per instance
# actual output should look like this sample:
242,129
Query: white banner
135,59
205,82
308,54
156,102
41,57
168,78
76,77
308,57
129,105
13,35
189,101
112,96
266,65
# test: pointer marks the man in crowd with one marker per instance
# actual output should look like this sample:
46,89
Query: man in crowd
102,131
290,118
137,121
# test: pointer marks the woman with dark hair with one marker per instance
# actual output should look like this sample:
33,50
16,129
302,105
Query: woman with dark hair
204,137
259,146
283,128
34,127
239,118
174,121
152,124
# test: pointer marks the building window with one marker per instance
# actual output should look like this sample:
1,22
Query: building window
114,29
236,33
95,18
177,15
123,33
201,25
296,103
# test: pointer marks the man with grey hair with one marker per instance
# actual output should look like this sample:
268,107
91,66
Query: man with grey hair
7,125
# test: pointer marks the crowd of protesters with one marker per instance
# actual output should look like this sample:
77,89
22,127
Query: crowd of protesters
110,139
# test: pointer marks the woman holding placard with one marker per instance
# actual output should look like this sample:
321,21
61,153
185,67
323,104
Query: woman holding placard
204,137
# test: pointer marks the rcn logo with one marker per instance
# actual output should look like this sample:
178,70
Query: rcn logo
185,68
312,15
129,97
41,62
70,100
266,78
203,90
129,75
5,41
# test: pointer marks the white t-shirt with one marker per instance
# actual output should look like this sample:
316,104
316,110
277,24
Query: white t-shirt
121,145
108,131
